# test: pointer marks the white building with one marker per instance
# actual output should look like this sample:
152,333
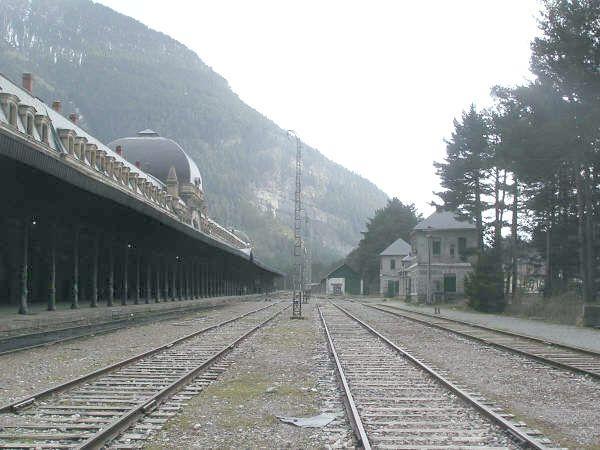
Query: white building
390,267
439,257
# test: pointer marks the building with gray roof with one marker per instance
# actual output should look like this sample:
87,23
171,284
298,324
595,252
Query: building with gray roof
437,261
390,262
86,222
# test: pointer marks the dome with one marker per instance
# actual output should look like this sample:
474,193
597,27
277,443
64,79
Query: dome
157,155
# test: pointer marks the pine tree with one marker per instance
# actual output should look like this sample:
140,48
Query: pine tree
388,224
567,57
466,167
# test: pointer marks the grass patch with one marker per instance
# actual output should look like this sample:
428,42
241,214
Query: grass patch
243,388
179,422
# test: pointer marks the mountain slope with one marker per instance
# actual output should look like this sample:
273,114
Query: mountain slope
121,77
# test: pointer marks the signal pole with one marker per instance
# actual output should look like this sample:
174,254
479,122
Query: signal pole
298,280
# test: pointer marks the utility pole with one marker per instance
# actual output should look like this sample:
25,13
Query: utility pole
429,237
298,280
308,256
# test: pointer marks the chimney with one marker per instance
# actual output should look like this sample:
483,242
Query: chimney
119,150
56,106
138,165
28,82
74,117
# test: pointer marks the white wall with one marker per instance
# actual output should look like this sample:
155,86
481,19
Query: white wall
332,281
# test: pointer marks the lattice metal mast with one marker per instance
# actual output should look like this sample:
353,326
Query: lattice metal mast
308,258
298,246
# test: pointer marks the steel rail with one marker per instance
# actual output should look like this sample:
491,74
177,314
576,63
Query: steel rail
122,423
31,399
95,329
355,420
487,341
524,438
92,329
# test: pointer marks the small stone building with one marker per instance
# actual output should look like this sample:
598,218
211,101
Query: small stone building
390,267
439,257
343,280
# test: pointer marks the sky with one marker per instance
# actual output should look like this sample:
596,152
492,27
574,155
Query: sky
374,85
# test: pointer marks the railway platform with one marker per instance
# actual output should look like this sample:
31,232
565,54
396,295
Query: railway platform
563,334
39,320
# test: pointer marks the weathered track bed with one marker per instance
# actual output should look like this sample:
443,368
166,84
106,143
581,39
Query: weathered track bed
396,401
575,359
34,339
92,410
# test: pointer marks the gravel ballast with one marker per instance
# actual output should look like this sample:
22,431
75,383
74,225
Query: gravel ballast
563,405
563,334
283,370
30,371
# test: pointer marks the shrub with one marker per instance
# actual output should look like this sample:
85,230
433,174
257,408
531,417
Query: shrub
484,287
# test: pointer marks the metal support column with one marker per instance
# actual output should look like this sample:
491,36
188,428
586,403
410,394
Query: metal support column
110,295
157,280
136,294
75,285
52,270
181,285
24,270
148,291
95,256
173,281
186,271
125,275
166,291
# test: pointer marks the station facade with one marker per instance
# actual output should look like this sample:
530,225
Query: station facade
438,260
84,222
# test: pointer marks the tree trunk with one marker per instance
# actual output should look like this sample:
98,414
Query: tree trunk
589,251
497,225
478,214
514,237
581,226
548,283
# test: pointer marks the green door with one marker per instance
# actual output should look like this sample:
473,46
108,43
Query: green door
450,283
390,288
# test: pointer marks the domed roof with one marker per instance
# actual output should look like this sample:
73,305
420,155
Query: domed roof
157,155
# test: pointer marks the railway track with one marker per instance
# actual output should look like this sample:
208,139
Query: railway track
93,410
575,359
395,401
35,339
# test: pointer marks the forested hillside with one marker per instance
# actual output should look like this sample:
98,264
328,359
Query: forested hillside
122,77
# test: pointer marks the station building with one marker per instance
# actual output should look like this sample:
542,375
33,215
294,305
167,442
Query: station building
439,257
343,280
390,261
83,221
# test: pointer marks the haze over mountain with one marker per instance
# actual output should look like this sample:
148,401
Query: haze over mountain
122,77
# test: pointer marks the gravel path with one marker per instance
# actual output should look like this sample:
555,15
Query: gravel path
283,370
564,406
29,371
565,334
